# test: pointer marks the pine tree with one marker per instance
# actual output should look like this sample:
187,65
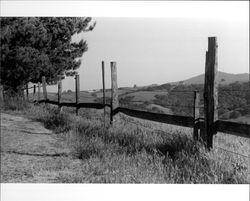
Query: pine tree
32,47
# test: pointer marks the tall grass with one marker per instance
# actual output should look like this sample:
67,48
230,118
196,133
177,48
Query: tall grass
14,103
51,117
150,157
127,153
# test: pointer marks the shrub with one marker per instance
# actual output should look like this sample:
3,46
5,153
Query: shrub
51,117
235,114
225,115
15,102
244,110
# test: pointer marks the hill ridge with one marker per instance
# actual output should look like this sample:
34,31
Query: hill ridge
224,78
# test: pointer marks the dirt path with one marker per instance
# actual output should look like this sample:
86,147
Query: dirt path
30,152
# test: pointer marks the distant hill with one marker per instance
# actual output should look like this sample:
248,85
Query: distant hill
224,78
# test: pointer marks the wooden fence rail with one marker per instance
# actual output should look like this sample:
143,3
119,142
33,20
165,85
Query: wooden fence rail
162,118
233,128
79,105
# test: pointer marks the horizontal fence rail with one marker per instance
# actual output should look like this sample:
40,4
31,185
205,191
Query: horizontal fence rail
79,105
162,118
242,130
233,128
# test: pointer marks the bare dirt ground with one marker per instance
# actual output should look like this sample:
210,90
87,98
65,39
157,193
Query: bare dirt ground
30,152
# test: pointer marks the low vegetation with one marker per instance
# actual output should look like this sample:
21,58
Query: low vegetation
234,99
134,153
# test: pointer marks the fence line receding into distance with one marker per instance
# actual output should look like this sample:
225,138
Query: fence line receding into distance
204,128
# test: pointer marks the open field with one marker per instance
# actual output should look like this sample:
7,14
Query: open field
78,149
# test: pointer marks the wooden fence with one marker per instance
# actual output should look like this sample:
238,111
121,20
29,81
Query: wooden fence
203,128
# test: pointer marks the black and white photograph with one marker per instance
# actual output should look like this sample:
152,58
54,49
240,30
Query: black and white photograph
112,93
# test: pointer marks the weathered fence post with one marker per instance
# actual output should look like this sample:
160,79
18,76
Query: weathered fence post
1,96
77,93
59,92
34,92
27,92
196,110
114,93
44,89
211,91
39,91
103,91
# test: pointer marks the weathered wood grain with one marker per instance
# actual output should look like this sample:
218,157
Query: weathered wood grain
114,92
196,115
211,91
27,92
38,91
44,88
104,93
34,92
59,94
77,92
1,96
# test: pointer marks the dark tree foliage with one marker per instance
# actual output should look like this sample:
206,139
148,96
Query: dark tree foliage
32,47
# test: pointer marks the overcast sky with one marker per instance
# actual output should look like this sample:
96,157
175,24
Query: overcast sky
156,50
160,50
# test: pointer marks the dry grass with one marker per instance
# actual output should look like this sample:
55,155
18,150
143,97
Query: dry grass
130,153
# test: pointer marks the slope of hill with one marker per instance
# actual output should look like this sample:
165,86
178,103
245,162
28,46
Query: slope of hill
224,78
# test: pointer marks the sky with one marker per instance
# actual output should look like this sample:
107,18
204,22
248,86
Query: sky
160,50
155,43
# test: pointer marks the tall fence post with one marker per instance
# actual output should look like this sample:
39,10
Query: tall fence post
34,92
114,93
38,91
44,89
23,93
211,91
104,95
1,96
59,92
77,93
196,110
27,92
